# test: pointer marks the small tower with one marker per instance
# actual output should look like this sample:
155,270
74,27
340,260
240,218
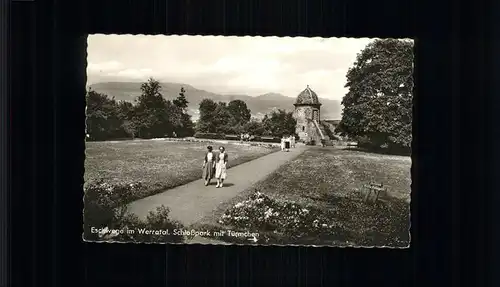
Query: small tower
307,114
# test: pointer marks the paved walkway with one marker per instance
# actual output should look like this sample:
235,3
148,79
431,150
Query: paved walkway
191,202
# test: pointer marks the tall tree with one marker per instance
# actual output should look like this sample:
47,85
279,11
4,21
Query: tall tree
103,121
154,116
126,112
206,122
239,111
254,127
279,123
181,100
378,105
222,119
186,127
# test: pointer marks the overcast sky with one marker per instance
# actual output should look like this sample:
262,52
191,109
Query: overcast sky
227,65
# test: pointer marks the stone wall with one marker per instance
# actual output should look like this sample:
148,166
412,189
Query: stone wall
306,129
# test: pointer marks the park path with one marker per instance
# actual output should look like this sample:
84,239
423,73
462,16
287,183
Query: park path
191,202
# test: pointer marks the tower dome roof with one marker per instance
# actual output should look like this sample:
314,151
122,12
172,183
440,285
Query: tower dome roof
307,97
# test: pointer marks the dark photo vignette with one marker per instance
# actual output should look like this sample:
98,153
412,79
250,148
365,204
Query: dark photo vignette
4,144
494,261
113,263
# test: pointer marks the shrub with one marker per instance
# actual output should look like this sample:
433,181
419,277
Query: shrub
311,142
265,145
232,137
159,220
350,222
256,139
260,212
106,209
231,129
101,199
270,139
209,136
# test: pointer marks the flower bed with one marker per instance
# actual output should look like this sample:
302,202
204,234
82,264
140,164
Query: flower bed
283,218
106,217
108,195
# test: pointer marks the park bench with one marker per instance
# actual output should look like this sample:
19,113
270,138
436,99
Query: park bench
373,188
232,137
352,145
270,139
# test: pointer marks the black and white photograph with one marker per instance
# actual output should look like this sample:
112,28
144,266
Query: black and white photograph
248,140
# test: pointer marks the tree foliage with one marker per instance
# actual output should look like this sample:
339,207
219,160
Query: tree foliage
206,121
378,106
239,111
226,118
151,115
222,118
181,101
254,127
186,126
126,112
235,118
154,115
102,116
279,123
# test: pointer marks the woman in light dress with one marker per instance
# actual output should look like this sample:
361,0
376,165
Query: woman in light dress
283,143
220,167
292,141
208,166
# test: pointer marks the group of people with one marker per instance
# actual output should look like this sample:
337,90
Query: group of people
246,137
287,142
215,166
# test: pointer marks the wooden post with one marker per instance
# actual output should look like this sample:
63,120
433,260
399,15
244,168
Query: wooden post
375,188
367,191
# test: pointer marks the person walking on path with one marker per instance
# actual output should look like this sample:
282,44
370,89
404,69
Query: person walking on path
287,143
208,166
191,202
220,167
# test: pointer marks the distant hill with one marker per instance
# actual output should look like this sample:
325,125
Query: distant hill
259,106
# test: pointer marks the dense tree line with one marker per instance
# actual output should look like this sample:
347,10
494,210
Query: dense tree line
378,107
235,118
150,116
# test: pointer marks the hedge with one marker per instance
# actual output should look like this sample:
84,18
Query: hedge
213,136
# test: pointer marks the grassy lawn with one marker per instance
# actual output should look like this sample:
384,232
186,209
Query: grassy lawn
327,181
158,165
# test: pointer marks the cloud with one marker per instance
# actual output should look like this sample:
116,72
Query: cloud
104,67
242,65
135,74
